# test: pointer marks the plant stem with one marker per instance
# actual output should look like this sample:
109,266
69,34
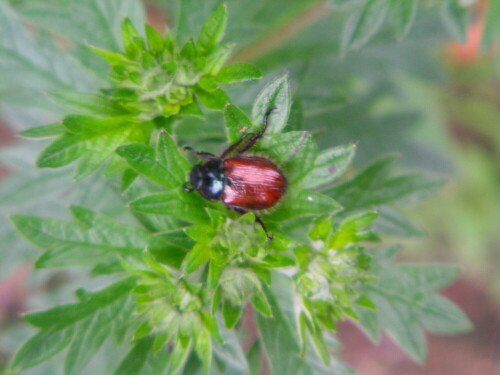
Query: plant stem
270,41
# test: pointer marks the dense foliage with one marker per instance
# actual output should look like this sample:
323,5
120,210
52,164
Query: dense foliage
175,273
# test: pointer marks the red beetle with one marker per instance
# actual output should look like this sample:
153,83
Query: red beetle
241,182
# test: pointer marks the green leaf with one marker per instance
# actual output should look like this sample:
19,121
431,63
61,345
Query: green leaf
41,347
74,244
456,18
440,315
320,346
143,159
141,359
170,247
236,122
231,313
329,166
238,72
112,58
373,187
363,24
403,14
92,139
215,100
255,358
195,258
70,323
45,131
172,160
87,127
85,20
85,104
304,203
33,65
404,296
61,151
392,223
203,347
262,305
279,334
180,205
129,35
213,29
155,40
178,357
211,324
275,94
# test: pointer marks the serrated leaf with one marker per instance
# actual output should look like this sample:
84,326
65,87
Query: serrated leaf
62,324
45,131
178,357
112,58
155,40
254,356
143,159
392,223
41,347
181,205
236,122
77,245
304,203
403,14
275,94
195,258
374,186
262,305
169,156
320,346
440,315
362,24
203,347
401,293
456,18
87,127
238,72
215,100
129,35
231,313
328,166
85,104
213,29
85,20
213,327
61,151
141,359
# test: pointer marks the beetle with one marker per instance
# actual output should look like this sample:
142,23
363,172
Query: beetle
240,181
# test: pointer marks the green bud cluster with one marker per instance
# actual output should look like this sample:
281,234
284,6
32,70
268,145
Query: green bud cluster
155,77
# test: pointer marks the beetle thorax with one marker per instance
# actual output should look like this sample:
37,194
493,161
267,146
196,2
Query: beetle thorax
208,179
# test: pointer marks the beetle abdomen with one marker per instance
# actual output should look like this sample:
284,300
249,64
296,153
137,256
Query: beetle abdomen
252,183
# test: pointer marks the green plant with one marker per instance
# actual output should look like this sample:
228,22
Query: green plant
181,270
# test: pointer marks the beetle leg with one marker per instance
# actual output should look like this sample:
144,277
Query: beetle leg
257,219
201,155
258,135
231,148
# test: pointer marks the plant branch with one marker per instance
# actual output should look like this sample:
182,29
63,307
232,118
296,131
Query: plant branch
281,34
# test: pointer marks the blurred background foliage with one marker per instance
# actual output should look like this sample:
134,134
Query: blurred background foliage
433,102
